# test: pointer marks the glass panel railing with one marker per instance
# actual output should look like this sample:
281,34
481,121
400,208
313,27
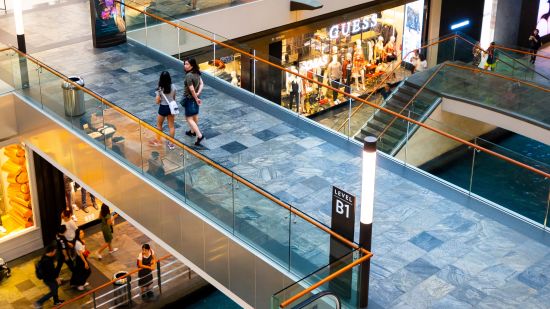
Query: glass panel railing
310,246
324,300
186,8
519,190
49,88
345,286
126,139
27,79
209,190
6,70
262,223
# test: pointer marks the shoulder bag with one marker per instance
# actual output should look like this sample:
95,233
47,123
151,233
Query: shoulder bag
172,104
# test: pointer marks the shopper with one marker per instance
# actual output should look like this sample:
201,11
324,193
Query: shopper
46,271
82,269
146,262
193,86
490,64
385,92
421,64
476,53
535,43
166,91
68,195
69,224
84,202
107,223
63,249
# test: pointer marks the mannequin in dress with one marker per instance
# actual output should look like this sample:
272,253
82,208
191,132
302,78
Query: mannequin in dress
294,87
334,72
357,71
234,80
389,50
379,50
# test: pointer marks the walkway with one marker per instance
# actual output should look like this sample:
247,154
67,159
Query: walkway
429,250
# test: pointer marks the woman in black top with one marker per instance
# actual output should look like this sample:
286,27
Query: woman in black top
535,43
146,262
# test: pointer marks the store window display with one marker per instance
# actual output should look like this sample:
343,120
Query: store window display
294,88
16,207
334,71
358,72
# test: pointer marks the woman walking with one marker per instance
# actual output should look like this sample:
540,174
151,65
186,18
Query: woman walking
81,269
107,223
166,91
491,58
146,262
192,90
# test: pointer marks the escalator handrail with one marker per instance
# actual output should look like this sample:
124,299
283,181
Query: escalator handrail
316,297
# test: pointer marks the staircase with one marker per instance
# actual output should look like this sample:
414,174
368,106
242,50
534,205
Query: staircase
395,136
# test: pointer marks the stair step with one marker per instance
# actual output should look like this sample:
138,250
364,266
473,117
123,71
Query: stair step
395,130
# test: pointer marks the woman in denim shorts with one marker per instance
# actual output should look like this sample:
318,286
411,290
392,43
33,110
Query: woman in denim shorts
193,86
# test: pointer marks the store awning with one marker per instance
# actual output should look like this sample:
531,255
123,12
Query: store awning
298,5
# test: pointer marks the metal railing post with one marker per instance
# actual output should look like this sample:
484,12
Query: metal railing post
159,278
145,24
93,298
129,290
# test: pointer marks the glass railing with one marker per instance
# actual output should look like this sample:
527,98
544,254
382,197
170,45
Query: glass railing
202,44
345,286
320,300
288,237
519,190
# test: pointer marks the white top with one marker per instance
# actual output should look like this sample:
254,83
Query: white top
79,247
420,66
171,95
140,255
71,229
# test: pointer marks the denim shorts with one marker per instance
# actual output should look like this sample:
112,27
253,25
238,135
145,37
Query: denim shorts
191,107
164,110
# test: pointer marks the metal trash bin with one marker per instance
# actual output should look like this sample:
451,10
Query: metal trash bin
73,98
120,289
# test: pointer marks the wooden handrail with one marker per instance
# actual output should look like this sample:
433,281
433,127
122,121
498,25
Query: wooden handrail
411,100
515,80
387,77
72,300
325,280
521,51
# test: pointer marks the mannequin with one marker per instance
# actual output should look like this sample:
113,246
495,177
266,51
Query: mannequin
294,87
234,80
334,72
346,69
389,50
379,50
370,46
358,62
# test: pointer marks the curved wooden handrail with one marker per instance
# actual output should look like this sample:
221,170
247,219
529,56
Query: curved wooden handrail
325,280
106,284
411,100
515,80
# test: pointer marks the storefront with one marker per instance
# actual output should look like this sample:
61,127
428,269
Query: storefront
17,213
349,51
33,193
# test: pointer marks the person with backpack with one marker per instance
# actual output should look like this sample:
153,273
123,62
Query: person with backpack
64,249
46,271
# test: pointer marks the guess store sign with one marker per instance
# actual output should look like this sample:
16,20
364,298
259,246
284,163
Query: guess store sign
353,27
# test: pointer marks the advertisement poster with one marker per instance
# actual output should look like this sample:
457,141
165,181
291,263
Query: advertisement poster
109,25
543,17
412,32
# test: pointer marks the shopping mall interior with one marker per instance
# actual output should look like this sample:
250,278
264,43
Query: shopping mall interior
354,154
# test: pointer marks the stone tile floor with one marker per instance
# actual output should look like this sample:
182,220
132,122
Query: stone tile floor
429,251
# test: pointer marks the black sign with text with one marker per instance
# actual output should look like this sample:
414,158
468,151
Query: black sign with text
343,223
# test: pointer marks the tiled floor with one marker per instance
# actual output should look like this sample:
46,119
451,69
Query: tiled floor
430,252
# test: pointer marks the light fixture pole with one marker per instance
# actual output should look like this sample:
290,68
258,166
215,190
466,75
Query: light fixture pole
367,206
19,29
21,45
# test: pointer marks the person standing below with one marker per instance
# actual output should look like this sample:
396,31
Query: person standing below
165,91
84,203
70,225
107,223
81,269
193,86
385,92
46,271
146,262
535,43
476,54
491,59
63,249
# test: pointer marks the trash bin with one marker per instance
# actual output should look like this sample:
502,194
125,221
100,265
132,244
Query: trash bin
120,288
73,98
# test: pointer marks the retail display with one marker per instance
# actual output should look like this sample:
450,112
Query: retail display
16,207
